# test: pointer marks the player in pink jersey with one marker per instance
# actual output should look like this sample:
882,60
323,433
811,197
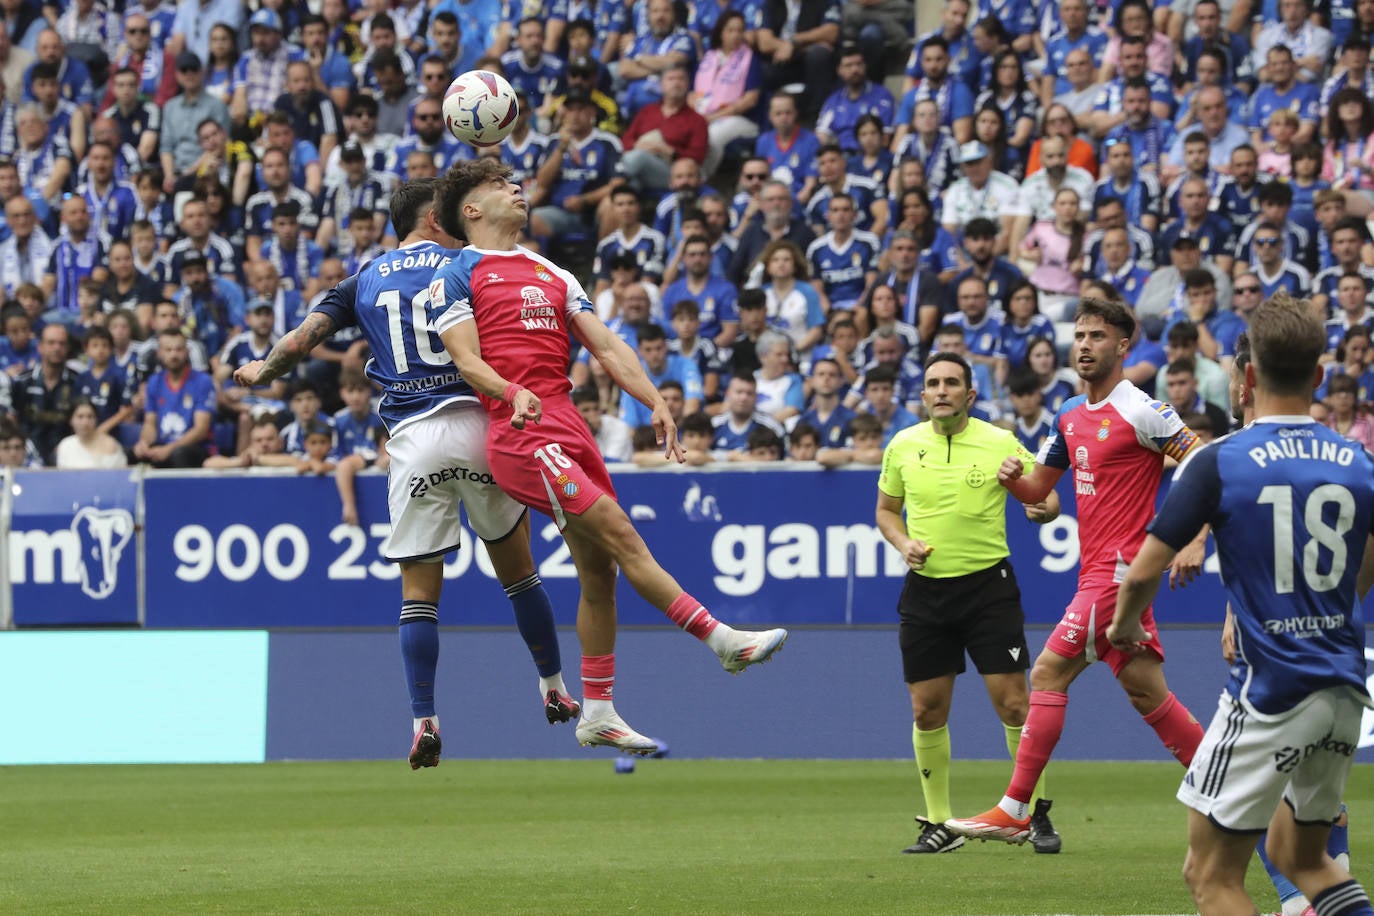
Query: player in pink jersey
504,314
1115,438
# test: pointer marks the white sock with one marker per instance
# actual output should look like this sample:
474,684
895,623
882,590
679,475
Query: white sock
553,682
1017,809
597,709
420,723
721,639
1295,906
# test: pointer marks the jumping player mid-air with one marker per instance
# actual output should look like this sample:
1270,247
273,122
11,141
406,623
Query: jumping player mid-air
505,314
438,456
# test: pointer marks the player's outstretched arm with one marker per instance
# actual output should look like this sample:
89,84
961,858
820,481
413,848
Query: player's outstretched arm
623,366
465,349
1137,590
288,352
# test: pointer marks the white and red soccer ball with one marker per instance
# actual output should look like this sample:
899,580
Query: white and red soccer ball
480,108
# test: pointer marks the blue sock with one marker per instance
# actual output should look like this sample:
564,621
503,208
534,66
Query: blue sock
1338,843
1285,888
420,653
534,619
1345,899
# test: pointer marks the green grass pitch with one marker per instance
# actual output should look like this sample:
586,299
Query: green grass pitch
574,837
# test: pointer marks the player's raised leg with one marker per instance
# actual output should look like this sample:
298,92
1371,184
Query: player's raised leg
596,629
605,525
1010,820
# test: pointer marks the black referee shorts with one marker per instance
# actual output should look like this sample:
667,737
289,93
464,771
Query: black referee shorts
980,614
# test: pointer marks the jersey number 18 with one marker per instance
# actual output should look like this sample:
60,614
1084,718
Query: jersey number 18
1332,537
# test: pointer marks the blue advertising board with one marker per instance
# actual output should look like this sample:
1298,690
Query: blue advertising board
72,548
757,547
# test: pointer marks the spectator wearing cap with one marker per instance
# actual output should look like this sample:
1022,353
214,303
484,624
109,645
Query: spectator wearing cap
726,88
580,172
180,146
981,192
260,76
1166,293
296,258
198,241
1215,236
313,115
212,308
584,74
856,97
154,66
538,74
648,55
77,255
73,79
352,187
195,18
278,189
430,136
137,121
662,132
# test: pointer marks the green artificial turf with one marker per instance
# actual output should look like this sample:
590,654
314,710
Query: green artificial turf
575,837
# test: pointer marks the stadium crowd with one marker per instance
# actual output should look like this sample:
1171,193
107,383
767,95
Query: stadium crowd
782,237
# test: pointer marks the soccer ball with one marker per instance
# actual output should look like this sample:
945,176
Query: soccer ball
480,108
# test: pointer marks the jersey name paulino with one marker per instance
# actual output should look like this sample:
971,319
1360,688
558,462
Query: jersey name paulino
1116,451
523,305
389,300
1291,505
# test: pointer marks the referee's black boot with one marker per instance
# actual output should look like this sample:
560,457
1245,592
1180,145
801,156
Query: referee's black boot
1043,835
935,838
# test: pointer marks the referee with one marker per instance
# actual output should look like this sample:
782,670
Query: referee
961,594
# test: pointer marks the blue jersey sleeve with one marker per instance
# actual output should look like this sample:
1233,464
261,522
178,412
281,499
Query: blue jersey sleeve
339,303
206,401
1192,501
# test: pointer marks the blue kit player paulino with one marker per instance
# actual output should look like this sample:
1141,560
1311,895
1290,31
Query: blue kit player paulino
437,443
1291,505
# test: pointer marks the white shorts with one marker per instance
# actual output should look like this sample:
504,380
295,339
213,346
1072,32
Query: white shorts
437,463
1246,765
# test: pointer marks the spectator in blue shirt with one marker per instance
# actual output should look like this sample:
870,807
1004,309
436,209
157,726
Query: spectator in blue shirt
74,258
826,413
714,296
740,417
790,149
179,404
662,45
661,365
856,97
580,171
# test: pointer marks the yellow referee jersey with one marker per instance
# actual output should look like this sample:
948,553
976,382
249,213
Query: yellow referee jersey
949,488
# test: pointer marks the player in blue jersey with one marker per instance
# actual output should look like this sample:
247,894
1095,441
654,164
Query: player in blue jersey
437,445
1291,505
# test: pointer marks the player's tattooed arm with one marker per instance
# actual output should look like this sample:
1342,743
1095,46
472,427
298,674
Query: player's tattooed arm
296,346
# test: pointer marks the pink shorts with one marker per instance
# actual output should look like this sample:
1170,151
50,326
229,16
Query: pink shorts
554,466
1091,611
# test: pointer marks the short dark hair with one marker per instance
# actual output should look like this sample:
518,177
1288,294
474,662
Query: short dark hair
948,357
883,375
865,424
686,307
1023,381
288,210
384,21
409,203
1275,192
647,330
980,228
585,394
43,71
763,437
1116,314
462,180
1182,332
98,333
697,423
1181,365
751,299
1199,278
801,431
